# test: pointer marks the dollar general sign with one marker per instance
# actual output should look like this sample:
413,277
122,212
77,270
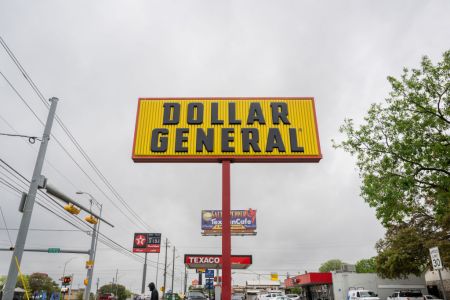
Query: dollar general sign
236,129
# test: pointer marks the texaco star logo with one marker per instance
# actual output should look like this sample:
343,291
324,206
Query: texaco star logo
140,240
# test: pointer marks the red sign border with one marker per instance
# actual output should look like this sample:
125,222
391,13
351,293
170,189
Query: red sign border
232,158
149,248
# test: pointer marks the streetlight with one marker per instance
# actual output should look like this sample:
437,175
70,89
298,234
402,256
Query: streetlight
64,272
95,229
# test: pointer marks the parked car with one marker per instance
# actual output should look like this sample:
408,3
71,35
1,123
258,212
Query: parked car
293,296
407,295
270,296
237,297
107,296
362,295
171,296
281,297
431,297
195,295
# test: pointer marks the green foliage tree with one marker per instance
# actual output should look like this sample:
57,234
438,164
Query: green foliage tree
403,155
366,265
331,265
40,282
117,289
20,283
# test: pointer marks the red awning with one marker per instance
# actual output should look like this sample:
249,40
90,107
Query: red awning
206,261
309,279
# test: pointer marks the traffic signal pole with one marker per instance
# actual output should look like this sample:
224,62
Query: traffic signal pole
226,232
36,181
90,271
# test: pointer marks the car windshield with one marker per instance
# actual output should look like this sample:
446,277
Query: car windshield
196,295
411,294
366,294
292,295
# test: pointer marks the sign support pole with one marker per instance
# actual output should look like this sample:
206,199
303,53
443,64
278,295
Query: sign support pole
144,274
36,181
442,285
226,232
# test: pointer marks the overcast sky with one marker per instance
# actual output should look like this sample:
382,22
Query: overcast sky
99,57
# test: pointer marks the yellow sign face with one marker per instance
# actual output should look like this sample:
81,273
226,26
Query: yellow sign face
274,276
235,129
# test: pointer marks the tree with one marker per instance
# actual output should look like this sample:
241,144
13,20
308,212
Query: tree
41,282
366,265
331,265
403,155
117,289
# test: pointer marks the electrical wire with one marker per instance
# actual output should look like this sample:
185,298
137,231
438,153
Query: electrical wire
69,134
6,226
74,141
43,197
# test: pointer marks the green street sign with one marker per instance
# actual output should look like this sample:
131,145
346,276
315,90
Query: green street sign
54,250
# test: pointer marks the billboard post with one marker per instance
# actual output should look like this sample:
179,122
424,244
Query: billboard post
226,231
225,130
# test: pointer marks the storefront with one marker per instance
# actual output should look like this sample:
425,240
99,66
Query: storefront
314,286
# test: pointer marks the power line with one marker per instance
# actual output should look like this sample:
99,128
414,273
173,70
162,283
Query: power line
66,151
74,141
67,131
31,139
42,197
6,226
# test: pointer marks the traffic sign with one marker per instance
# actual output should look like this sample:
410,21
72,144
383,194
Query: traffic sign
209,284
436,258
209,273
89,264
54,250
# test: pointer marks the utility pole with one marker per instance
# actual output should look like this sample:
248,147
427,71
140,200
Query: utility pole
144,274
173,268
90,271
117,286
36,182
157,272
165,269
185,279
98,282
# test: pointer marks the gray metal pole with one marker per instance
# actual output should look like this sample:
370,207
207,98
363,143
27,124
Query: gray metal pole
37,179
98,282
185,279
117,287
165,269
173,269
45,250
157,272
144,274
90,271
442,285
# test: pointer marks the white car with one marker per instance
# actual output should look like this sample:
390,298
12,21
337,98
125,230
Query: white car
407,295
293,296
362,295
270,296
282,297
431,297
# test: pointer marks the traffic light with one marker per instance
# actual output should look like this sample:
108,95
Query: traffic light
86,281
72,209
91,219
67,280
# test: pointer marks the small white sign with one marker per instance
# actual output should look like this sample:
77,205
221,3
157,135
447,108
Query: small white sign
436,258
